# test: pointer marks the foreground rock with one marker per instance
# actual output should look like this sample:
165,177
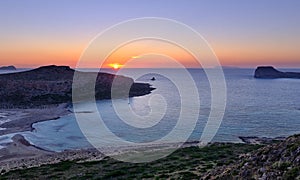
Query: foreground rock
269,72
8,68
53,85
275,161
260,140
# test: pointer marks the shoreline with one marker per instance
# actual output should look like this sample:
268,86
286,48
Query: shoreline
20,120
20,154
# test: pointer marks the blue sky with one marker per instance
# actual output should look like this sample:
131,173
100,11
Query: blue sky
234,28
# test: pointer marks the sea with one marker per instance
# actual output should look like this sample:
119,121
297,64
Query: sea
254,107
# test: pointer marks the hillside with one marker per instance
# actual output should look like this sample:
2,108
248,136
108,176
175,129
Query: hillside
53,85
279,160
275,161
185,163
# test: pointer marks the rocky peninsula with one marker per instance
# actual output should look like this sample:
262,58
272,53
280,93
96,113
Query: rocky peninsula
269,72
44,94
51,85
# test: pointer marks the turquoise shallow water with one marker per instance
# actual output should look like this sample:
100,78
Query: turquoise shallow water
255,107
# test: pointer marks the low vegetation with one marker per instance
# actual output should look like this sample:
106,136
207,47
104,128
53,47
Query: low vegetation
185,163
276,161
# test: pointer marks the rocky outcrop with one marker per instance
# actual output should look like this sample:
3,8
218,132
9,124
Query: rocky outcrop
53,85
260,140
276,161
8,68
269,72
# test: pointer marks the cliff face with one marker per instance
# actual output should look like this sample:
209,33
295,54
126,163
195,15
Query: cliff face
269,72
53,85
275,161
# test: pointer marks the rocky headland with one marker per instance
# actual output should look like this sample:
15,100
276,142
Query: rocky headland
261,140
44,94
269,72
50,85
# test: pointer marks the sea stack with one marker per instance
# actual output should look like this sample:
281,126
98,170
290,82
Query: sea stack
269,72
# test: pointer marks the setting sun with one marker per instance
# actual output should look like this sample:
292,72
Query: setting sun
115,65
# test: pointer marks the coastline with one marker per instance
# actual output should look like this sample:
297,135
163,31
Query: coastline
20,154
20,120
27,155
214,161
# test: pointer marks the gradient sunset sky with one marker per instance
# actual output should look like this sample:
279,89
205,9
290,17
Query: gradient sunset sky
242,33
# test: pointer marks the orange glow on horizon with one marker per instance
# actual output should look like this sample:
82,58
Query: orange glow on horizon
148,54
115,66
237,54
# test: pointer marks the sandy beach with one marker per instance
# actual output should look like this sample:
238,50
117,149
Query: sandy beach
19,120
20,154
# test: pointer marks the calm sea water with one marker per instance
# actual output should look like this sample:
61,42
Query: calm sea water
255,107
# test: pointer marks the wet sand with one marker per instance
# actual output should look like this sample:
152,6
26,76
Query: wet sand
20,154
19,120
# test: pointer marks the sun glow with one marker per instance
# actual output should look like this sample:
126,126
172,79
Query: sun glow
115,66
135,57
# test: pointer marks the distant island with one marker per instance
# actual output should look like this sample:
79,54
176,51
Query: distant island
8,68
50,85
269,72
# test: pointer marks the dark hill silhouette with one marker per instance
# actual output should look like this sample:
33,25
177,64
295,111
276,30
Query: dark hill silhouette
46,73
269,72
8,68
53,85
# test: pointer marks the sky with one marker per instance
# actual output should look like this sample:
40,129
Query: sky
241,33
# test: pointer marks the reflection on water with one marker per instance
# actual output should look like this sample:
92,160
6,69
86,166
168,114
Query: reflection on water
255,107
